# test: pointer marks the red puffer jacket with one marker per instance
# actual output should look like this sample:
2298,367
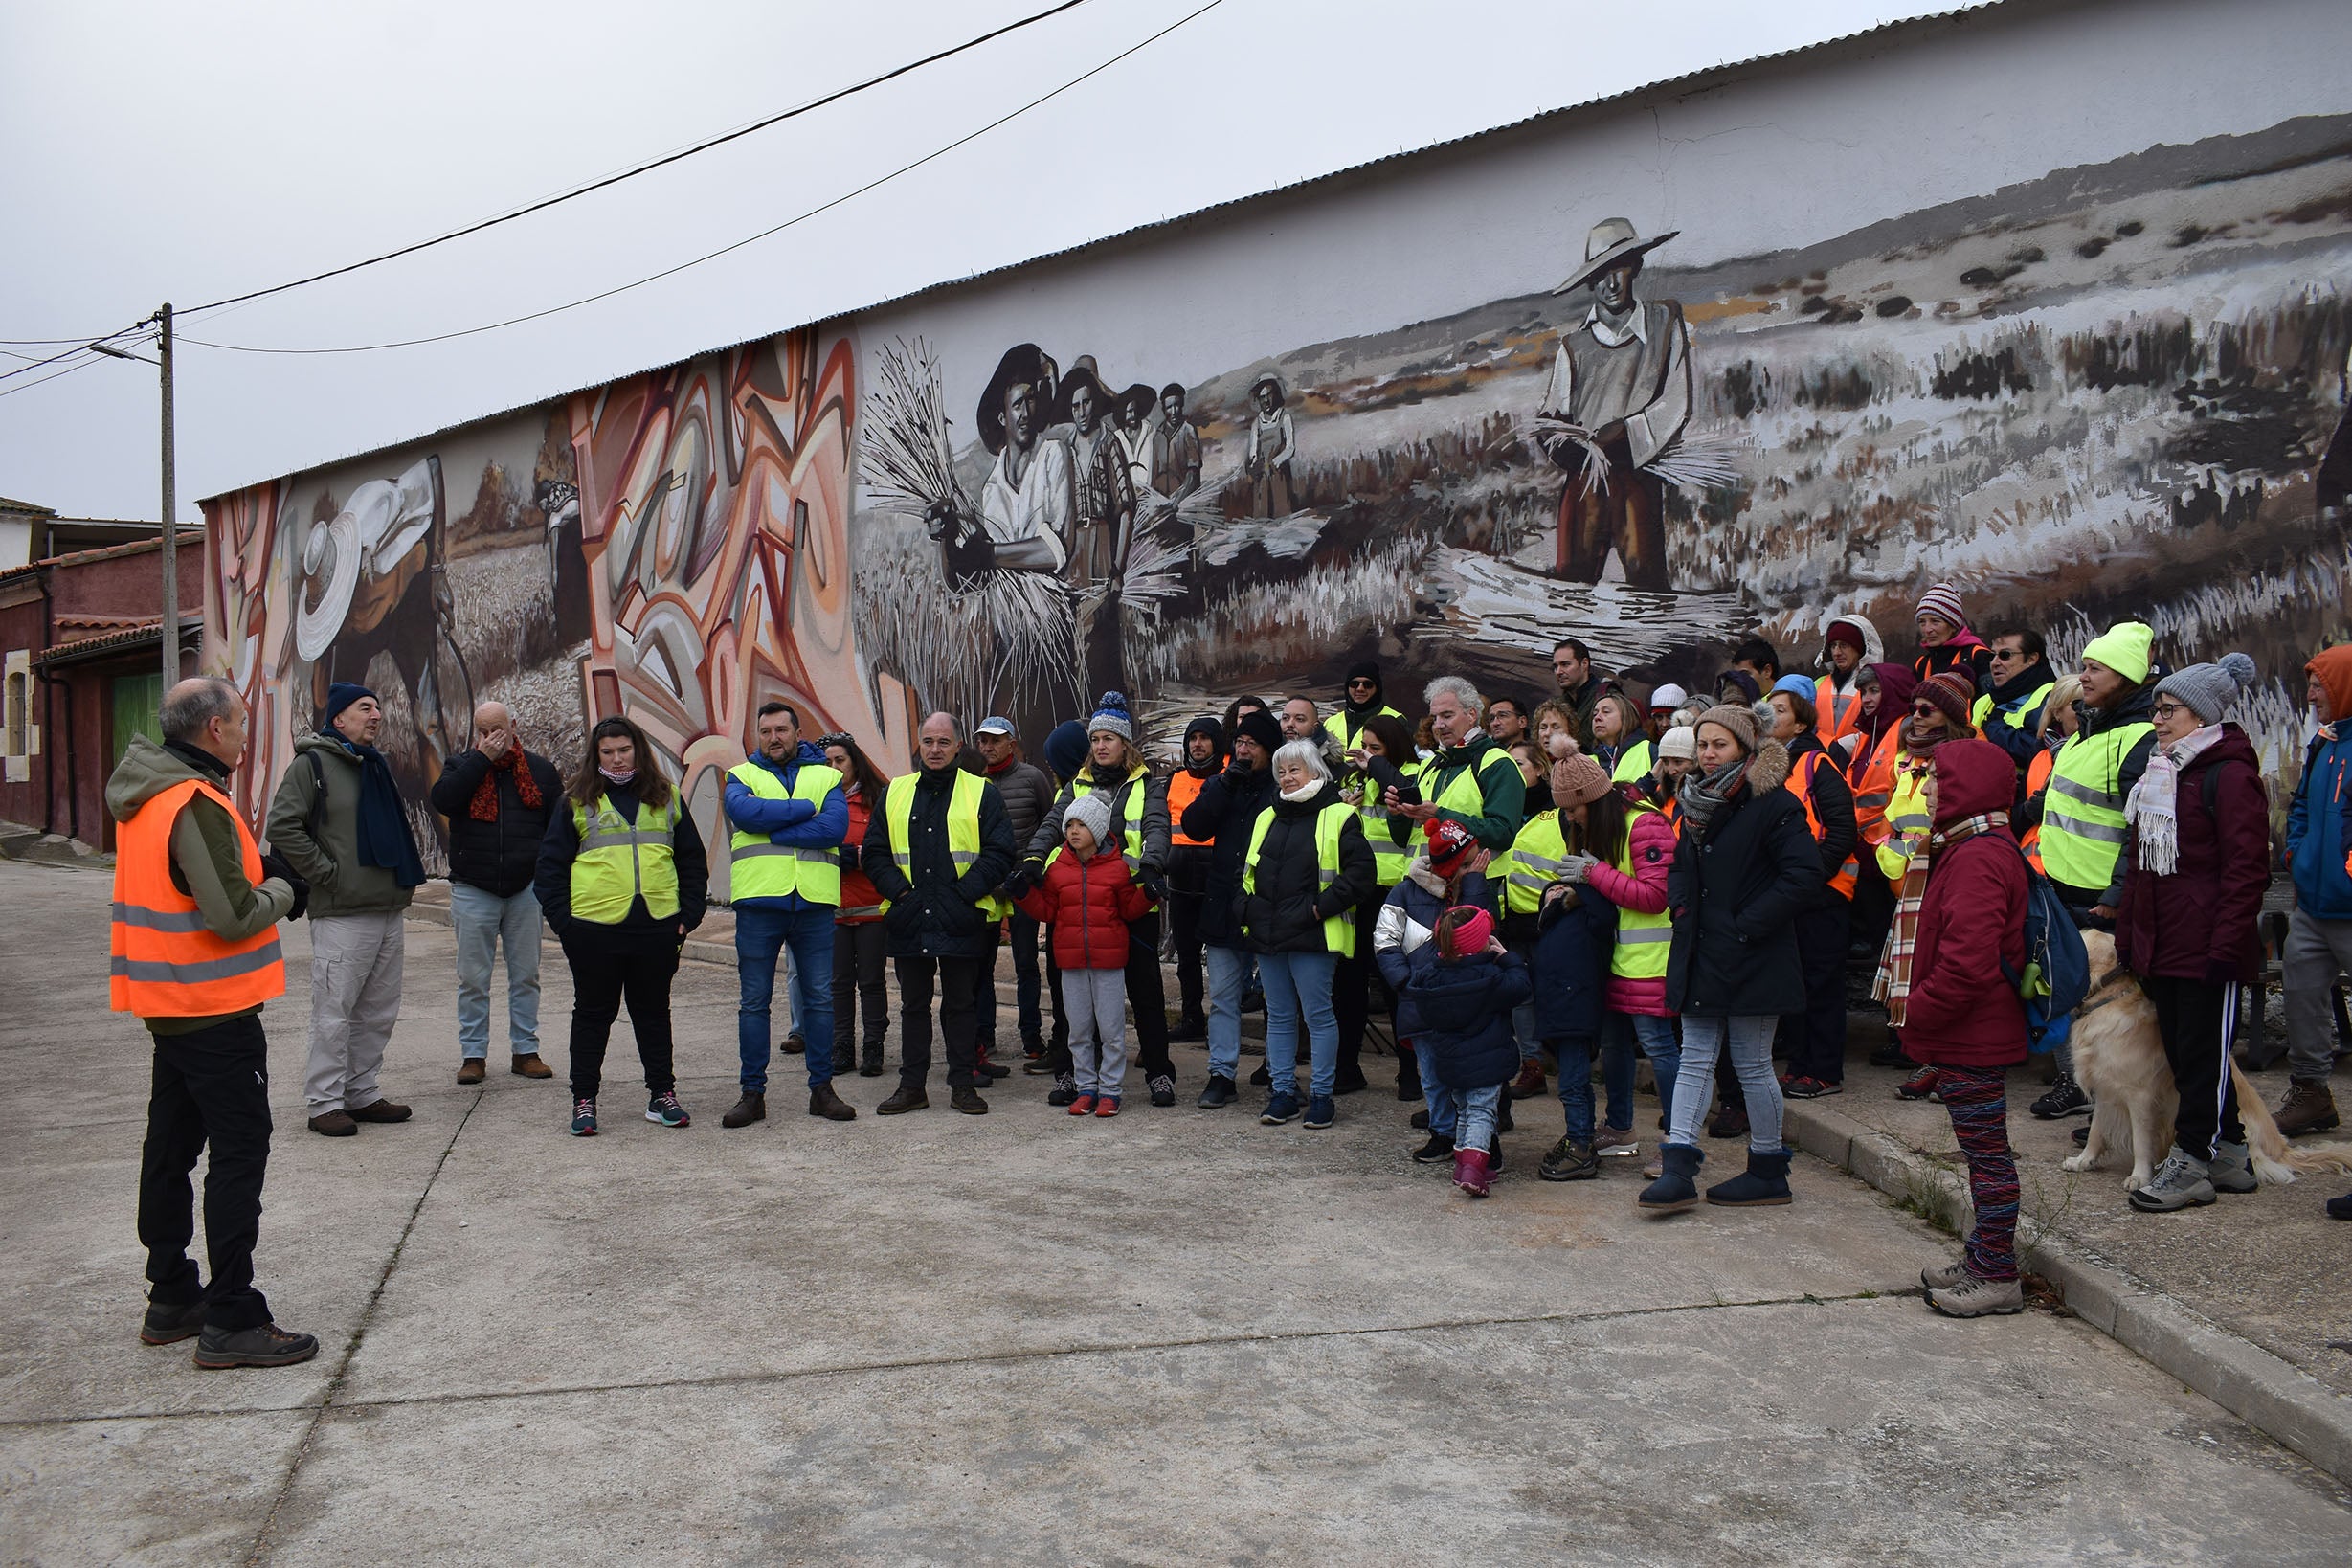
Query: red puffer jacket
2198,923
1089,905
1963,1012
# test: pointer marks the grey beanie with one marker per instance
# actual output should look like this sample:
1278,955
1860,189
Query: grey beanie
1094,810
1112,716
1737,717
2208,690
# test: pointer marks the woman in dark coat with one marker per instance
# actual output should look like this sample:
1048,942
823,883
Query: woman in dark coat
1747,865
2196,860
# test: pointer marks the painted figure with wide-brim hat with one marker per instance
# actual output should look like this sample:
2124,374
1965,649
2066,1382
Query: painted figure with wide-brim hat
1105,513
1272,441
1027,500
1619,394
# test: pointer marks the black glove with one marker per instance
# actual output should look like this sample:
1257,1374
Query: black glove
273,865
1155,885
1024,878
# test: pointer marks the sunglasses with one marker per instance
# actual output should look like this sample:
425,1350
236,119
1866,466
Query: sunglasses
1925,710
1359,680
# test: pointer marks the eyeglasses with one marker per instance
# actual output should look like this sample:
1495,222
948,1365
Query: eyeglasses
2165,710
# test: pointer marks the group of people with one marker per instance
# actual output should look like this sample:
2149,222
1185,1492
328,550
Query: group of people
1609,874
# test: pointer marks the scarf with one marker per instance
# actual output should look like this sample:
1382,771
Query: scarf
1305,791
2154,807
385,838
612,777
483,807
1892,986
1702,795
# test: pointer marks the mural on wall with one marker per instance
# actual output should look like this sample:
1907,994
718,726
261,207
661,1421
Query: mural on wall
2098,395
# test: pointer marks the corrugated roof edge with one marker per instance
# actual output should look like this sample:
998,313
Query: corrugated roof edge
1688,84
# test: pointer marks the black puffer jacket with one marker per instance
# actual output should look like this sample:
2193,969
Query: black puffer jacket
936,914
499,856
1225,810
1735,890
1291,901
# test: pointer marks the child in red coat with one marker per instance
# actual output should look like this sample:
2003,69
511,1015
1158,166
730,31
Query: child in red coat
1089,896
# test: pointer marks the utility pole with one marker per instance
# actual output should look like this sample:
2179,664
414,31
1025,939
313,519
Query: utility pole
171,519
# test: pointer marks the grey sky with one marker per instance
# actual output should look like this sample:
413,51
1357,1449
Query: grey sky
188,154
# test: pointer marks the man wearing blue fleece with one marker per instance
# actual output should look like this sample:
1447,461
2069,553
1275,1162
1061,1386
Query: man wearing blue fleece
784,879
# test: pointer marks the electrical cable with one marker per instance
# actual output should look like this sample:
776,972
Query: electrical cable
84,365
724,250
81,346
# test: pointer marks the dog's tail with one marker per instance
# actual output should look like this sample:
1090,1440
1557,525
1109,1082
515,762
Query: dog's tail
2274,1160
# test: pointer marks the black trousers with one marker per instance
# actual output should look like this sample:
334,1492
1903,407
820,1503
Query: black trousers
1816,1038
1184,925
2199,1023
958,981
603,976
858,949
1147,994
210,1087
1354,983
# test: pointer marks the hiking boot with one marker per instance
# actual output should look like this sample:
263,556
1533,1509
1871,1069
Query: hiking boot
1973,1297
2063,1098
870,1061
1436,1152
1471,1171
335,1123
2182,1181
264,1346
1764,1184
968,1100
1220,1093
1529,1082
1810,1088
2310,1107
1280,1108
169,1324
1676,1189
1615,1142
528,1066
1569,1160
795,1043
664,1110
378,1110
825,1102
908,1097
1730,1121
1189,1030
1319,1112
752,1107
1920,1085
1065,1090
472,1070
583,1118
1162,1088
1944,1276
2233,1169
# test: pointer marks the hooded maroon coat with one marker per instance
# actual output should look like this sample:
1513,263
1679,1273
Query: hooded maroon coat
1963,1011
2198,923
1089,905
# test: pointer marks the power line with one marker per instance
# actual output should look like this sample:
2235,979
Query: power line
712,256
81,346
53,375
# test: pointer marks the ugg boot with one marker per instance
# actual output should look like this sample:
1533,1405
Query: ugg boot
1470,1171
1764,1184
1677,1189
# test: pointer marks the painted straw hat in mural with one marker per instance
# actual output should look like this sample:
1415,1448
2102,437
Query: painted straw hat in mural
377,528
1612,243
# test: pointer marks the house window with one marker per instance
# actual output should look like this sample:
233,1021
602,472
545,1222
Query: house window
23,738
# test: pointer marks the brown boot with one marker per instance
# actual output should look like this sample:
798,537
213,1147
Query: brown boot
1530,1084
906,1097
528,1066
2308,1107
334,1125
752,1107
823,1101
470,1071
378,1110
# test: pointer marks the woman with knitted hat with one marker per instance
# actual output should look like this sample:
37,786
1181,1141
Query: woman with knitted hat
1746,866
1948,642
2195,865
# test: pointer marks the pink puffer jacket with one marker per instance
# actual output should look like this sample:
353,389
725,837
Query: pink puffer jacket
1652,841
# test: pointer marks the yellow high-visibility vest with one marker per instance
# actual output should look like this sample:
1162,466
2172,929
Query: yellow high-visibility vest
963,831
760,869
620,859
1339,931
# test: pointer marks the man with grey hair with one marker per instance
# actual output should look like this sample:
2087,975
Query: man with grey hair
195,955
498,799
1470,780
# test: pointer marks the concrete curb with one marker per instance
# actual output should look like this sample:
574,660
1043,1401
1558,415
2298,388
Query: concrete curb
2266,1391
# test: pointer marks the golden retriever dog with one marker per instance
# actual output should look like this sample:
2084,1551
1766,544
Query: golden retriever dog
2120,1062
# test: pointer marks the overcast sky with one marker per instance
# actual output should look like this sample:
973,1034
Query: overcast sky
163,151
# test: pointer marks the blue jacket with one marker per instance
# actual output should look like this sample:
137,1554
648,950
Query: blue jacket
1410,901
2319,829
794,824
1464,1010
1573,949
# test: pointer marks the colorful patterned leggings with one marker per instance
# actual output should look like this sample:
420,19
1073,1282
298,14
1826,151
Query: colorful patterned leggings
1978,1104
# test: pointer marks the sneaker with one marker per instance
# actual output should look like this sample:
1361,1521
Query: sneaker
666,1110
583,1118
1419,1121
1281,1108
1262,1077
1613,1141
1569,1160
2082,1136
2232,1170
1973,1297
1065,1090
2063,1098
2339,1208
1436,1152
1730,1121
1162,1088
265,1346
2310,1107
2181,1182
1220,1093
1944,1276
1106,1105
1810,1088
1920,1085
167,1325
1319,1112
1038,1066
1189,1030
1082,1105
989,1067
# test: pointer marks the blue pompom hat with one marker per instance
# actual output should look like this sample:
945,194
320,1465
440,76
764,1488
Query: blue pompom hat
1112,716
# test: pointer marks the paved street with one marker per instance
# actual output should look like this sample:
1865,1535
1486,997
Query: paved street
1178,1336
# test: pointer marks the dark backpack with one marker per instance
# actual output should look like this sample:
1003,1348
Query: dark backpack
2057,972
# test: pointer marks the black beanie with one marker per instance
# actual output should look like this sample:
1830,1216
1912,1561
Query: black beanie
1259,726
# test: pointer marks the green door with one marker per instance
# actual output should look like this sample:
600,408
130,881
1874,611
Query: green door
137,700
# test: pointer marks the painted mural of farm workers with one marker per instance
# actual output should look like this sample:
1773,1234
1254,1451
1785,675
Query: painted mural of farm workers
1176,451
1621,385
1272,443
1105,514
1138,440
1027,502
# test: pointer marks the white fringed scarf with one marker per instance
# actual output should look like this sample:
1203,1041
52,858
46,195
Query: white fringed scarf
2153,810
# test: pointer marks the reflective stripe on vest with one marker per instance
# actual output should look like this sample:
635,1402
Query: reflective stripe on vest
1644,941
1634,765
1339,931
760,869
1834,716
1389,858
1906,813
619,861
1530,864
1135,790
1843,884
1464,793
2082,811
963,831
163,962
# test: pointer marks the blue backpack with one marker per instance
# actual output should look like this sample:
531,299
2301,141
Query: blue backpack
2057,972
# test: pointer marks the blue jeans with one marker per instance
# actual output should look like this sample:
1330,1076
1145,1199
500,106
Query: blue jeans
1659,1042
1228,970
1299,985
1750,1042
760,936
483,920
1574,1055
1444,1105
1474,1126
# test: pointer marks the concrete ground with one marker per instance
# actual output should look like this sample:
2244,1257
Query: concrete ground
1176,1337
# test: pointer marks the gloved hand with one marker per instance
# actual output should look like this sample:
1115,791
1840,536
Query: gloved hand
273,865
1155,884
1576,867
1025,877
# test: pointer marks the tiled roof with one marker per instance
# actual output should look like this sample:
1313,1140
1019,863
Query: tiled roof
146,630
189,532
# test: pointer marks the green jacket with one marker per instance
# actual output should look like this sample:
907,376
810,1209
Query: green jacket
339,884
208,864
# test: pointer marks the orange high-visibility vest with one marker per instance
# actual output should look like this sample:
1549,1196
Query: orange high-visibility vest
2037,779
166,964
1183,785
1802,787
1834,716
1876,789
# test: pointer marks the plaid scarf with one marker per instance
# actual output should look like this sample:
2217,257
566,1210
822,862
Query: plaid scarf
1892,986
483,807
